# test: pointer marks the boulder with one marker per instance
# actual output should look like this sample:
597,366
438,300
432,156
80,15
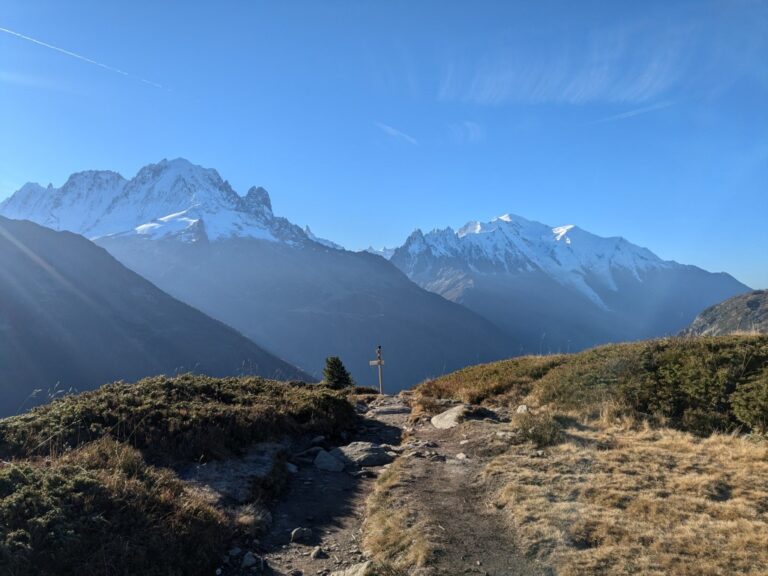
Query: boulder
301,535
363,454
318,553
364,569
451,417
249,560
325,461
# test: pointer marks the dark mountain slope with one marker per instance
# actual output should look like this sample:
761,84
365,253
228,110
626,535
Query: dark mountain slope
71,315
312,301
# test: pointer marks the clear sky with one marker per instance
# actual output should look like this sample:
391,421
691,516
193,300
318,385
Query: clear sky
367,119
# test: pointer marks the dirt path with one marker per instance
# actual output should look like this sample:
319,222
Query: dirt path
330,504
441,482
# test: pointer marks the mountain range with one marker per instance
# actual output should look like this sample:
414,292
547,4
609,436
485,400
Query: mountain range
71,316
440,301
187,231
559,289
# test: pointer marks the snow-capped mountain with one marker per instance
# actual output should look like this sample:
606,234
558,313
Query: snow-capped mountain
323,241
169,199
385,252
304,298
559,288
513,245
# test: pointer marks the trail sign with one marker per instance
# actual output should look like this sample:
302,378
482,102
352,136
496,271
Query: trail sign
378,362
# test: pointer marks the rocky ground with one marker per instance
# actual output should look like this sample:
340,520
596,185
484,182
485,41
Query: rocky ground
315,527
441,482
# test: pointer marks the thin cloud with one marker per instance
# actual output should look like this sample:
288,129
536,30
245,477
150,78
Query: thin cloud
81,57
395,133
466,132
633,113
619,65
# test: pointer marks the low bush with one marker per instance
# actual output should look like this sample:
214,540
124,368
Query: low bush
541,429
101,509
186,417
696,384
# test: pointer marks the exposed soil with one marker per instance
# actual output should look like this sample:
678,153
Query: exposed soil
446,494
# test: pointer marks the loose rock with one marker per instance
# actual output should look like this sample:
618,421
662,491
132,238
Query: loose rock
325,461
318,553
301,534
249,560
450,418
364,569
363,454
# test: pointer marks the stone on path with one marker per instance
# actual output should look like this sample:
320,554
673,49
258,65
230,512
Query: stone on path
451,417
325,461
318,553
364,569
301,534
249,560
363,454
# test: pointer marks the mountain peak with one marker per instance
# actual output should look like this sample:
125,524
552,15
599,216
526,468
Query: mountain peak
169,199
257,198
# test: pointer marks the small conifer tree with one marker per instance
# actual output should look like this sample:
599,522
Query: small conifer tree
335,374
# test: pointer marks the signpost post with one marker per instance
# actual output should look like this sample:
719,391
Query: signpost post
379,362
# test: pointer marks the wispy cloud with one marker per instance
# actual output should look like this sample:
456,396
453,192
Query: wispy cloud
395,133
80,57
616,65
634,112
466,132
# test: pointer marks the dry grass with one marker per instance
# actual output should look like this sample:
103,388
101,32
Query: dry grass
700,385
508,380
392,534
615,500
631,460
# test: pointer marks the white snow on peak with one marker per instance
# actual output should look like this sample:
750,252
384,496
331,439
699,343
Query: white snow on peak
173,198
511,244
384,252
322,241
561,231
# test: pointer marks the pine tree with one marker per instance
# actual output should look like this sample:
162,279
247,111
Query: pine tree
335,374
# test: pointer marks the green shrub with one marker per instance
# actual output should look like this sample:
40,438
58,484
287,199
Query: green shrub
750,403
695,384
186,417
102,510
541,429
335,374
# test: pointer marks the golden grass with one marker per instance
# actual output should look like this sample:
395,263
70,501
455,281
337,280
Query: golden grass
615,500
392,535
508,380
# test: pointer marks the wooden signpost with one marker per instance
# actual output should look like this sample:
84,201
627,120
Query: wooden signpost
379,362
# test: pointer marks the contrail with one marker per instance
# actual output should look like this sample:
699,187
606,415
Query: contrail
80,57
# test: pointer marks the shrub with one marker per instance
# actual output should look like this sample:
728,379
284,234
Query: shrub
186,417
696,384
102,510
336,375
750,403
541,429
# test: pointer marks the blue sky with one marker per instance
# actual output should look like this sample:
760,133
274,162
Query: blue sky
368,119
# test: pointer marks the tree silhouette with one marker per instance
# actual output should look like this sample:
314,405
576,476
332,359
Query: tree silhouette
335,374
